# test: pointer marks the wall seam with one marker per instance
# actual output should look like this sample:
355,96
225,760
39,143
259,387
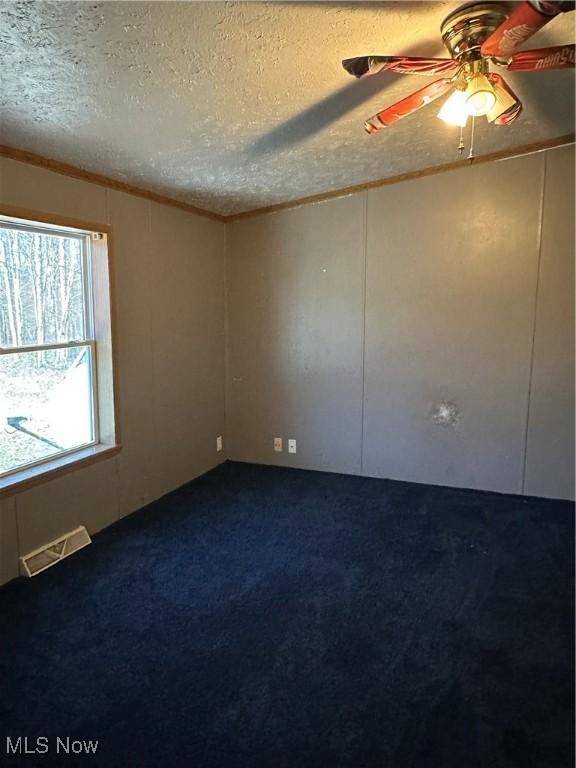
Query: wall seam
156,479
364,291
226,346
17,524
534,320
113,280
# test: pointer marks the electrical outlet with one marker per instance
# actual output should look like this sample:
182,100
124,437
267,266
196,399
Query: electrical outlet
291,446
219,443
278,444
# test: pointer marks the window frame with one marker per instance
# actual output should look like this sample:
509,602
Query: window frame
99,337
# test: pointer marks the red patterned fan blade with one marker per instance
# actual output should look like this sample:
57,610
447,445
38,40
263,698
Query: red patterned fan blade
509,116
407,106
556,57
405,65
524,21
512,112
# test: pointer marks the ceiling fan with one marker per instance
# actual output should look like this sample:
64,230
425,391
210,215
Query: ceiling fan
476,35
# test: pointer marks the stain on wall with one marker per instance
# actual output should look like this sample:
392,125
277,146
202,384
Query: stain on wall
449,313
445,414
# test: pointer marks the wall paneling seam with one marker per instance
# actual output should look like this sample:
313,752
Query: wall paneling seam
364,292
152,493
17,526
113,266
534,318
226,344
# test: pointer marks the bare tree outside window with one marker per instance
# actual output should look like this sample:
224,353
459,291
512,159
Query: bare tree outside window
46,347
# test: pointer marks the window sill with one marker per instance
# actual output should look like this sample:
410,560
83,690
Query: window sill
28,478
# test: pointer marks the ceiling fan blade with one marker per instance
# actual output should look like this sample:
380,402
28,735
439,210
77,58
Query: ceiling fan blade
405,65
509,116
524,21
555,57
407,106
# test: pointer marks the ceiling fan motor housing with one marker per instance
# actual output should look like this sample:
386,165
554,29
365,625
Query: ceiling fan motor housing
466,28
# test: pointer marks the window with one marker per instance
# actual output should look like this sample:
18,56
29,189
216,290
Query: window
55,345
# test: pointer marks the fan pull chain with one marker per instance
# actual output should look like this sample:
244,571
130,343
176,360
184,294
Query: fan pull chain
471,153
461,144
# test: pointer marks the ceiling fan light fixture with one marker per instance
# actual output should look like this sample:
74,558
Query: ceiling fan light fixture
480,96
454,111
504,102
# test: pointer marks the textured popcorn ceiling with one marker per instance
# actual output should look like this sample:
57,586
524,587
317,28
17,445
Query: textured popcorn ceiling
234,106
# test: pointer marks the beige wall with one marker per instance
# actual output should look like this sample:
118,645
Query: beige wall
350,320
549,467
169,272
295,307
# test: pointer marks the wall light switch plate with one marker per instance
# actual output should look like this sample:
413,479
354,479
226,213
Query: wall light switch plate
278,444
291,446
219,443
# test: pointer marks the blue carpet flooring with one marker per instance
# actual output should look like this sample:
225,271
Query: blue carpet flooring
261,617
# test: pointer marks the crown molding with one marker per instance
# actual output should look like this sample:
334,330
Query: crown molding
526,149
75,172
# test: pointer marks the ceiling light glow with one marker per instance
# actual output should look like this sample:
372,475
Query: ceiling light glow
454,111
480,96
